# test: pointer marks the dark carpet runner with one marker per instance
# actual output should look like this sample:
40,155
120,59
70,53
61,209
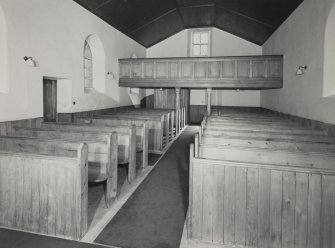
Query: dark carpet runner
154,215
17,239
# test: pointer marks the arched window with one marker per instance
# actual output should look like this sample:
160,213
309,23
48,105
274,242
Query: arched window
94,65
88,67
329,56
4,84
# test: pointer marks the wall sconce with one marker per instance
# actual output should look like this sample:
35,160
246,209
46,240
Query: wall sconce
111,74
301,70
30,61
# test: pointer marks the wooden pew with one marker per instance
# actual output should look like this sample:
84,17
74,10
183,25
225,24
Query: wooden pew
258,125
262,128
142,135
254,121
102,154
182,115
43,186
154,126
260,205
283,135
171,117
280,144
126,136
266,155
148,114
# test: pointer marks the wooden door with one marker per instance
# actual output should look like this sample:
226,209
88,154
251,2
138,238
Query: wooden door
50,100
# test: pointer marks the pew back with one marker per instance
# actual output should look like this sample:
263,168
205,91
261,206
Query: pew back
260,205
102,153
154,128
126,136
43,193
141,133
279,144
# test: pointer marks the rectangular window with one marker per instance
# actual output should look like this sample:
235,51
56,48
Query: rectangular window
200,43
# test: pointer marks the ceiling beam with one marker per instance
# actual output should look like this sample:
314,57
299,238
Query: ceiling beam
244,16
152,21
101,5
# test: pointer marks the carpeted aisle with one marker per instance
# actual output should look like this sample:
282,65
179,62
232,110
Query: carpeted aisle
154,215
17,239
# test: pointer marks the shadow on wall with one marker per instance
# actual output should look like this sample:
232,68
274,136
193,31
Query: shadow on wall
94,100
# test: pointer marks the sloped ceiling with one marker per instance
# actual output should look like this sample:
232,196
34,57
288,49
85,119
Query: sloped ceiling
150,21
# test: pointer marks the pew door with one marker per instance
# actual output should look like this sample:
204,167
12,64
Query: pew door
49,100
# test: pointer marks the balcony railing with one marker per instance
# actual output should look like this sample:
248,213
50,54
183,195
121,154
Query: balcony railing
247,72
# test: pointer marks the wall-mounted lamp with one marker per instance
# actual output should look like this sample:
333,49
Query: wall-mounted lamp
301,70
111,74
30,61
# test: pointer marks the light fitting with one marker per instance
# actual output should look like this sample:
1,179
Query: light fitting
301,70
30,61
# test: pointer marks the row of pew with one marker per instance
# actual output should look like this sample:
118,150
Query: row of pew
259,180
45,170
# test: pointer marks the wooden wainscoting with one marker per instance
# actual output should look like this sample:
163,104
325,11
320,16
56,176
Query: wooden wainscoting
197,112
70,117
6,127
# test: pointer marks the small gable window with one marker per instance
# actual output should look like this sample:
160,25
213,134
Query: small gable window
200,43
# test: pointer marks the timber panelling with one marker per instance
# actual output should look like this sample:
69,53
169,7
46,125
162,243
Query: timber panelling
44,193
277,182
6,127
282,208
258,72
166,99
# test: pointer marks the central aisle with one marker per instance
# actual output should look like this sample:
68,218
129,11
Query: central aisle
154,215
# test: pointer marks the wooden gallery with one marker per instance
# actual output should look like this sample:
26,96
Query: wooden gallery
167,124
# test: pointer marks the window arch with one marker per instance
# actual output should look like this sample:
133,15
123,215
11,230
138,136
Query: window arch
88,67
94,64
4,84
329,56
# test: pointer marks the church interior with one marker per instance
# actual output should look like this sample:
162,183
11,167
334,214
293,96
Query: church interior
167,124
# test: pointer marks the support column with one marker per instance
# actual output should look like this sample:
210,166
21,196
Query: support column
177,110
177,98
209,95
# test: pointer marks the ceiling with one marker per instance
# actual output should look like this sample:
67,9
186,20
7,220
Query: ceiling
151,21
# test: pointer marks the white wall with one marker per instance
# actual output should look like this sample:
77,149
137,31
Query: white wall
54,33
301,39
3,54
223,44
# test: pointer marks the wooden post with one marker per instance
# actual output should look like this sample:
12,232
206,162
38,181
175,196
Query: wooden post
177,98
172,124
177,110
209,93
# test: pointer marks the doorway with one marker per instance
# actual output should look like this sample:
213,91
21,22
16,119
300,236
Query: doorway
50,100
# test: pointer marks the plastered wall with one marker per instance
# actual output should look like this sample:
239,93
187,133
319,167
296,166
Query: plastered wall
223,44
301,39
53,32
